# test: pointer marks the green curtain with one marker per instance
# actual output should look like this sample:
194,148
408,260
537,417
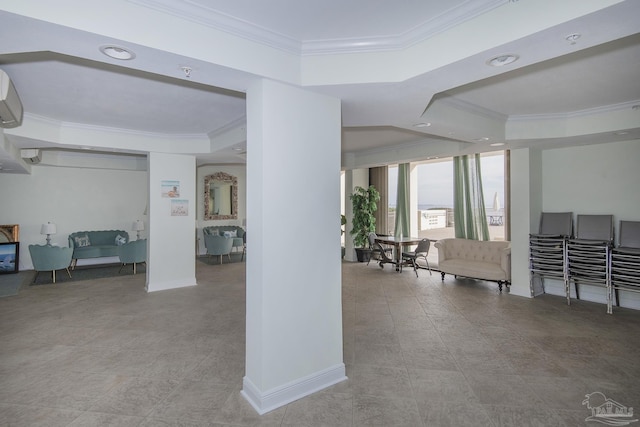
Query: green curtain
470,217
402,203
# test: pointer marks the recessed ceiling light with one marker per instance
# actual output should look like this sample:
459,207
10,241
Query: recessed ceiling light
422,125
497,144
572,38
484,138
117,52
501,60
622,132
238,149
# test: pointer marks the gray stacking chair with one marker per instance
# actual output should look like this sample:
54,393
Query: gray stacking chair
376,250
421,251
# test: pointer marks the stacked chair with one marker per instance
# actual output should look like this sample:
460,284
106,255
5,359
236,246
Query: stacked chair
547,249
588,254
589,257
625,261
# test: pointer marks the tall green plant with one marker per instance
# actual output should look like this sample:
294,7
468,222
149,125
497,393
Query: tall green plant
365,203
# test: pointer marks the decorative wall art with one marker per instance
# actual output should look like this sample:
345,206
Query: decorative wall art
179,207
170,189
9,233
9,253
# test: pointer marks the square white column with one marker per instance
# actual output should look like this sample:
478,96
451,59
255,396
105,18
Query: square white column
294,306
170,247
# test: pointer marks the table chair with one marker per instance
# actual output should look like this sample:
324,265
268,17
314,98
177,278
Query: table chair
421,251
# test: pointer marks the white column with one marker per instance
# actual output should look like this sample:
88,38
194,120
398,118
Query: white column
171,244
353,178
413,199
526,206
294,306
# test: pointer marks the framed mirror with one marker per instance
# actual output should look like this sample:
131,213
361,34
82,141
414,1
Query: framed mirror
220,196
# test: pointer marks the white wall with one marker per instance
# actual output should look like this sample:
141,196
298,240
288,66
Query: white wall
594,179
240,172
526,205
171,247
75,199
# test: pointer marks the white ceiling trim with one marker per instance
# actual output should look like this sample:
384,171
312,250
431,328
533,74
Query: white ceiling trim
212,18
223,22
439,24
110,130
581,113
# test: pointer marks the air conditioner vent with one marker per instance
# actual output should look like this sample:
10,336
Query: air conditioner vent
10,105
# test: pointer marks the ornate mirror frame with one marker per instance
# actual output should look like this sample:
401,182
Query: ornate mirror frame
224,177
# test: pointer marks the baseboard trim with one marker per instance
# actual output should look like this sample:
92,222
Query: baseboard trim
264,402
175,284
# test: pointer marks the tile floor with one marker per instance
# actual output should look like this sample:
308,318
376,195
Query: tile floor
418,351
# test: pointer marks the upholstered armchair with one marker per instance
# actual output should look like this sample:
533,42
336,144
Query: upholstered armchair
50,258
133,252
218,245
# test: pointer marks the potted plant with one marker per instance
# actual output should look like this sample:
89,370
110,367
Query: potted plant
365,203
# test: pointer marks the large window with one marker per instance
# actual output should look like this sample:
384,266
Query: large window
435,197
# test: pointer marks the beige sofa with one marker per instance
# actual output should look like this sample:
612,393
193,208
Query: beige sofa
486,260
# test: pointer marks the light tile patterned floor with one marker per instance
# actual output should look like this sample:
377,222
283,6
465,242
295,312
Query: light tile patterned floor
419,352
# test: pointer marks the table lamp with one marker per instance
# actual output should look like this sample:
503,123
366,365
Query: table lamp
48,229
137,226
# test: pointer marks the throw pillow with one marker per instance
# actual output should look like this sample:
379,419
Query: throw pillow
120,240
231,233
214,232
82,241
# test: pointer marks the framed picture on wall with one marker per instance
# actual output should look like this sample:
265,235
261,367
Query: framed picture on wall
170,189
9,233
9,254
179,208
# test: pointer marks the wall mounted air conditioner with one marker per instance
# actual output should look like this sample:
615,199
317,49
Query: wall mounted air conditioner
10,105
30,155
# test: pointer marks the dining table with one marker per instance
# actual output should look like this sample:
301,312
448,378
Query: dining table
398,243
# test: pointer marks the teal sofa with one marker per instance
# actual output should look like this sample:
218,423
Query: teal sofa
219,230
95,244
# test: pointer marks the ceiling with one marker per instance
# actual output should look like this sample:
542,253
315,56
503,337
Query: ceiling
463,104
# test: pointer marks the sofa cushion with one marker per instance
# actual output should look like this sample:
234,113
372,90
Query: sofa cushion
82,241
95,251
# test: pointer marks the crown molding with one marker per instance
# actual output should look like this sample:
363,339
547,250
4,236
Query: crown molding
104,129
573,114
419,33
209,17
188,10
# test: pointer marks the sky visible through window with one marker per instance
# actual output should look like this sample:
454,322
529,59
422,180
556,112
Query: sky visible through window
435,182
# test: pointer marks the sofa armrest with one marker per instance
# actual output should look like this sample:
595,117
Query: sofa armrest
440,245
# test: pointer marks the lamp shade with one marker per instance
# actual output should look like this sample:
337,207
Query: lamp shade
137,225
48,228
